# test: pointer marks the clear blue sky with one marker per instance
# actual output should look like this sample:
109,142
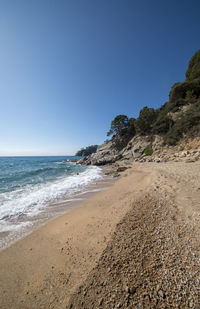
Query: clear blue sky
68,67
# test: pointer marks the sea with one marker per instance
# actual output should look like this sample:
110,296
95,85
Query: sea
36,189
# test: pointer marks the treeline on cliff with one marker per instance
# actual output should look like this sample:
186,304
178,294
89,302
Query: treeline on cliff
178,117
86,151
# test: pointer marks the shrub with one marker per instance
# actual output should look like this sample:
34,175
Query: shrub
162,124
144,122
185,125
148,151
193,70
185,90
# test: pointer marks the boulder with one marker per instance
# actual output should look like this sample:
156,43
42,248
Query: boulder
121,169
105,154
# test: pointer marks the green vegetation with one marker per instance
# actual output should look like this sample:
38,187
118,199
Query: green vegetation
123,129
118,125
188,124
86,151
184,91
148,151
145,120
162,124
131,127
194,67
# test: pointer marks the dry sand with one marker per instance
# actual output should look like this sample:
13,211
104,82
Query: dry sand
135,245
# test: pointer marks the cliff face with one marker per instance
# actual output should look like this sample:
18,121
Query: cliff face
145,149
183,136
105,154
135,150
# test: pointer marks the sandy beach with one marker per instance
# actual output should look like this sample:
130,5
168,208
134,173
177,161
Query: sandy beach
135,245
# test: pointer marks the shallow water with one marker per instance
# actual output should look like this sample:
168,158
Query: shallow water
33,189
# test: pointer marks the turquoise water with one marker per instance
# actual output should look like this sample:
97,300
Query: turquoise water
17,172
29,184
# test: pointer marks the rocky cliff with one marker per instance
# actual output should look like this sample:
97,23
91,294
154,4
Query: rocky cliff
145,148
105,154
134,151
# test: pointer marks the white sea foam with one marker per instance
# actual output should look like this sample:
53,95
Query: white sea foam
6,226
32,199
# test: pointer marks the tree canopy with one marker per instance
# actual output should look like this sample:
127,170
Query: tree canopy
118,125
193,70
86,151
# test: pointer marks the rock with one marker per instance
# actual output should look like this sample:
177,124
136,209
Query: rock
121,169
190,160
127,289
52,299
132,290
73,160
191,303
161,294
105,154
115,175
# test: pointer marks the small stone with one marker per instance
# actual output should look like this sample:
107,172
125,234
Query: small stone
191,303
127,289
132,290
161,293
52,299
147,298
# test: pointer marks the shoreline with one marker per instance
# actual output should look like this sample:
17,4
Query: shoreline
53,210
65,249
